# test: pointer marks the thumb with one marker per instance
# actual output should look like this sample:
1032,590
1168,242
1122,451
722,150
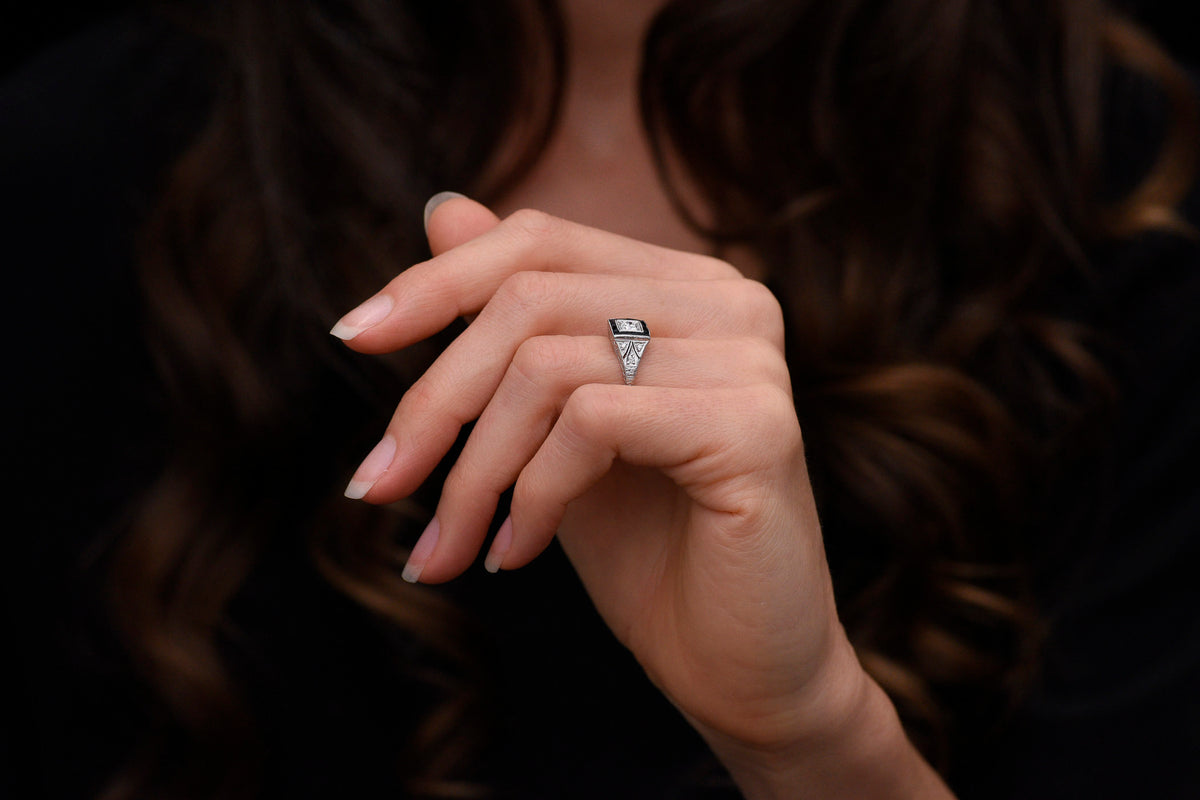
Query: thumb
452,219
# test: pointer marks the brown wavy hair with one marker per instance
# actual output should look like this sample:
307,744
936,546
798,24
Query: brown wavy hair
916,175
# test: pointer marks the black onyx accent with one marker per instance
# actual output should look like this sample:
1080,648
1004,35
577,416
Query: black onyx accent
628,327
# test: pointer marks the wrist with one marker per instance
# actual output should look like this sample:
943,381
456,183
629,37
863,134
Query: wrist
848,743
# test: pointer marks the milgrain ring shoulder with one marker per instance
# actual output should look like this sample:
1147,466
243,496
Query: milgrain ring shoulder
629,339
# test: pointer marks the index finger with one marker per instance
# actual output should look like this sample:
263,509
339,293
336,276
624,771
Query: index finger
430,295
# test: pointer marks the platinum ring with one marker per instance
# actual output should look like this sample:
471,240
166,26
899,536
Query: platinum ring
629,339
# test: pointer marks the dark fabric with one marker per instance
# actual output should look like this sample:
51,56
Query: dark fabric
85,132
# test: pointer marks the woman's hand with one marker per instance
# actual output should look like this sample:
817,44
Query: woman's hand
682,501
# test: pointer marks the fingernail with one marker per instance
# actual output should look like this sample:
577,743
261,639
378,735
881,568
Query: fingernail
369,313
421,552
501,544
436,201
373,466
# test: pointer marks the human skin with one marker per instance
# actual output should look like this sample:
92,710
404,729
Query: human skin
682,501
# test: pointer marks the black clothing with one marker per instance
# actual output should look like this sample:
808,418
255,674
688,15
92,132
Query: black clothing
85,133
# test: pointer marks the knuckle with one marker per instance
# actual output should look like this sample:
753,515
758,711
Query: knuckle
763,307
458,482
717,268
528,290
541,359
773,401
442,285
527,493
531,224
761,359
474,476
420,398
527,361
772,415
588,408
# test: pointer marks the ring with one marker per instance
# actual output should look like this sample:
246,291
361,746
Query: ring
629,340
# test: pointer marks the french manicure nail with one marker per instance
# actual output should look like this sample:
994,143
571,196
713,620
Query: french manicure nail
436,201
369,313
421,552
501,544
372,467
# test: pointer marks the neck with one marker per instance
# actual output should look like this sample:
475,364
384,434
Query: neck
605,41
597,168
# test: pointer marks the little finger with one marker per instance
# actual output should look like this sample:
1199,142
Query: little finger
720,446
544,373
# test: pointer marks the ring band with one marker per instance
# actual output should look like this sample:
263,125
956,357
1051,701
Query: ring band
629,340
